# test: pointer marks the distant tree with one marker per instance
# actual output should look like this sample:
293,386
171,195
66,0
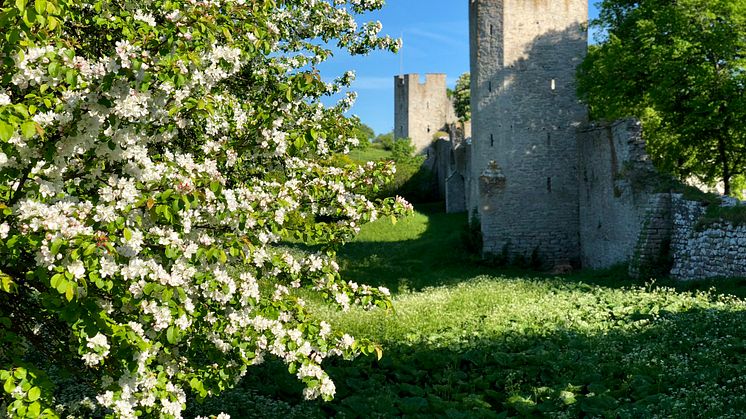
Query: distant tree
363,133
386,140
461,96
679,66
403,152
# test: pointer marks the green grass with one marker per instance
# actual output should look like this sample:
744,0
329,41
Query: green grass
370,153
420,251
469,341
715,214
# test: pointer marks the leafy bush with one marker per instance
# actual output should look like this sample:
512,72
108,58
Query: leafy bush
386,140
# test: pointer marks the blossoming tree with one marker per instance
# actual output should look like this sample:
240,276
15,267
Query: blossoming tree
153,156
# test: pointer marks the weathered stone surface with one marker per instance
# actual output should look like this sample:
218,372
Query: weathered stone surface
455,193
719,250
421,109
622,218
546,184
524,117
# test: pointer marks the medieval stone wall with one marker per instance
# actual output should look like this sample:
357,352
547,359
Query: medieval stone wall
421,109
617,206
450,157
524,116
543,181
715,250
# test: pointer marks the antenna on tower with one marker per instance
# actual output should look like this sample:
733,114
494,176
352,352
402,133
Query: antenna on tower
401,55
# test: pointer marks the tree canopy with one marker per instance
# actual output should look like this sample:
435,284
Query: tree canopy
363,133
679,66
154,157
462,97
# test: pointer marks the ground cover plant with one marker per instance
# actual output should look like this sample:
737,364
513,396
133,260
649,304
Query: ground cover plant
464,340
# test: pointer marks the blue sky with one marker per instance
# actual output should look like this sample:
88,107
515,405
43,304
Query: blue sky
436,40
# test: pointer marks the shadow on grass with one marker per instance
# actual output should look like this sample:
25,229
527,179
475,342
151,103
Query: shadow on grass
686,364
435,257
618,357
438,257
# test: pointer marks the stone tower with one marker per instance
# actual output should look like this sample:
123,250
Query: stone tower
421,109
524,54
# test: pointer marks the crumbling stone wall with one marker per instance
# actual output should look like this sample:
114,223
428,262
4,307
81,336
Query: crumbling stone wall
449,163
716,250
623,218
651,256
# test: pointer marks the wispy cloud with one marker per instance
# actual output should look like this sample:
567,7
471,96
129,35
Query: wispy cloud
439,37
373,83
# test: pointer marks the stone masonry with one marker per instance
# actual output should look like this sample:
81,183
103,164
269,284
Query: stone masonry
622,216
542,181
524,117
421,109
705,251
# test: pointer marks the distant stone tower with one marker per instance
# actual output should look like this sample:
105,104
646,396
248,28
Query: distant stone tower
421,109
524,55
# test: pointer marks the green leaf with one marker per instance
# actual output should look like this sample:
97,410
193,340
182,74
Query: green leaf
10,385
71,77
56,246
52,23
172,335
34,410
40,6
34,394
55,281
7,282
28,129
61,285
90,249
54,69
21,5
70,291
127,234
6,131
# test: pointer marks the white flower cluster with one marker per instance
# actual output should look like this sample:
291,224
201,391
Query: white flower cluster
147,183
99,346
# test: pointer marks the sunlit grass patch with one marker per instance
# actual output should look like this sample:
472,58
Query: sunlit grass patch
465,340
370,154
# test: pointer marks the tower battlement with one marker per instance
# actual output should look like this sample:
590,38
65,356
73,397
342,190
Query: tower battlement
421,108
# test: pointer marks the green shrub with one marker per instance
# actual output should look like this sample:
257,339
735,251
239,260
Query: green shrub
716,214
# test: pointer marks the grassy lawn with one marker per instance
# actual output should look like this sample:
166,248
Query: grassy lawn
371,153
468,341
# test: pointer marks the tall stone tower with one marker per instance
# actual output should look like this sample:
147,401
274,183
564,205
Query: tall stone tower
524,55
421,109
